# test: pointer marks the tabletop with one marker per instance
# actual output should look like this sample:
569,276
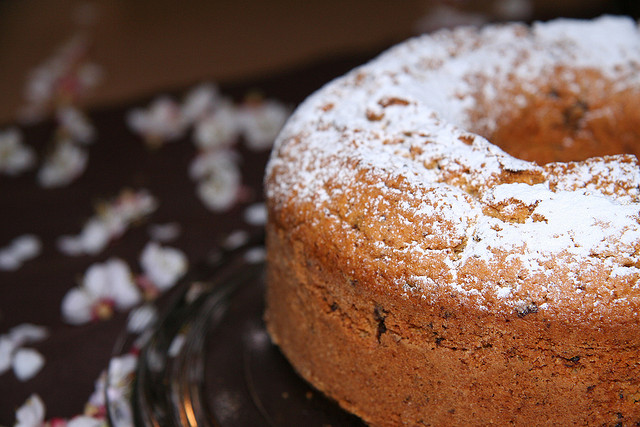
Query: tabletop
133,143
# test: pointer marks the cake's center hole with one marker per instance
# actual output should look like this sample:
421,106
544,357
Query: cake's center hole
572,118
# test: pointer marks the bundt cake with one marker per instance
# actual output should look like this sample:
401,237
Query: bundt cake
453,231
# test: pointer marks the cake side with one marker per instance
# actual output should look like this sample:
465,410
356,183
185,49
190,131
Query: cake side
398,360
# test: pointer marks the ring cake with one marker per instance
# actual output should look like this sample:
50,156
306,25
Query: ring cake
454,229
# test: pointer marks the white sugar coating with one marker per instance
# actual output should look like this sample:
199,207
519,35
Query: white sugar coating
406,121
574,222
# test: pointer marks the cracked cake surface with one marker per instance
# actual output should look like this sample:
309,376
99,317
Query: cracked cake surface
465,187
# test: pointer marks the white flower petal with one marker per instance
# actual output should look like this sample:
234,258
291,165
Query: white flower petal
218,193
194,292
76,306
137,120
121,406
27,362
85,421
112,221
164,232
236,239
121,287
199,101
8,260
65,164
211,162
262,123
94,237
255,255
127,208
218,129
43,80
19,250
15,157
97,398
121,368
70,245
143,338
76,124
7,348
256,214
26,246
22,159
176,345
110,281
141,318
163,265
31,414
219,179
117,271
162,120
126,295
96,281
28,333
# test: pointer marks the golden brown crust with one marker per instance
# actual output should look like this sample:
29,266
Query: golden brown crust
442,364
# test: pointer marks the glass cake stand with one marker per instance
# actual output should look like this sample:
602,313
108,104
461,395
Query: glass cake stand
208,361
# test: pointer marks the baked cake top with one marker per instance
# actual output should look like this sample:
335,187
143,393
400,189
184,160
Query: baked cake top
400,159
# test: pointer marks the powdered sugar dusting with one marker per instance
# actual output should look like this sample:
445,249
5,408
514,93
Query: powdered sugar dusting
394,142
577,222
